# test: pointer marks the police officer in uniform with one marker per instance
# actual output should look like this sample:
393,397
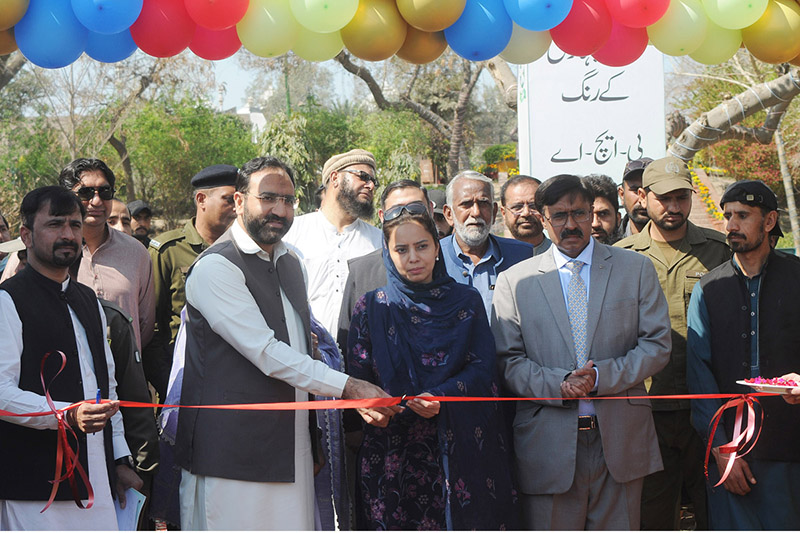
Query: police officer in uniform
174,252
682,253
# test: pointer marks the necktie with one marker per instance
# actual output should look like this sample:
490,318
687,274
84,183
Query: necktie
576,307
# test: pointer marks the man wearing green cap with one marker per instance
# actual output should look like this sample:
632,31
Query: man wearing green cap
682,253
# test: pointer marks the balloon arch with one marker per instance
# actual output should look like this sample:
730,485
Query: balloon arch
54,33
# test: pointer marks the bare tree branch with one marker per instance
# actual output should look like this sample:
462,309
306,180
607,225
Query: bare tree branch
374,87
10,65
505,80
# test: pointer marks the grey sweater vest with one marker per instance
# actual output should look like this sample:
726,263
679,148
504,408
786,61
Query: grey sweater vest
243,445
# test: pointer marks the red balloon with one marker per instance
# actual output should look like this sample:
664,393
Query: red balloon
637,13
217,14
214,45
163,28
625,46
585,30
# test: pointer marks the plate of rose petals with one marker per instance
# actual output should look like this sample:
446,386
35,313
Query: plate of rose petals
776,385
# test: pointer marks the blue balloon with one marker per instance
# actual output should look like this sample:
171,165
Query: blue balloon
481,32
538,15
50,35
110,48
107,16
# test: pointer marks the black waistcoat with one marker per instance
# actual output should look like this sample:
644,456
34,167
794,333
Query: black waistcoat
29,455
728,303
243,445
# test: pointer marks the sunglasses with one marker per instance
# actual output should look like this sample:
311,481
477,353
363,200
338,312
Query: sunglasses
414,208
106,192
363,176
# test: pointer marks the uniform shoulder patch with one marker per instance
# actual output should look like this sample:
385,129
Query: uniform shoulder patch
155,244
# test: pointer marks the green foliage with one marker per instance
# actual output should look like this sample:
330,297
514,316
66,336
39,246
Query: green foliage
500,152
746,161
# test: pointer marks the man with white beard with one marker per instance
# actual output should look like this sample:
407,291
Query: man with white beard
473,255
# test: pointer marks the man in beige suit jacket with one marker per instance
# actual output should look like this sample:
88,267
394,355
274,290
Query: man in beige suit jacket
580,463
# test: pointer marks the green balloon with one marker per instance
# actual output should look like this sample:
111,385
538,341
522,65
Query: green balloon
324,16
268,28
681,30
313,46
734,14
720,45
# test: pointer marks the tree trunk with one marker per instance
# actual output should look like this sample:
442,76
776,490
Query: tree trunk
505,80
122,150
788,187
10,66
457,132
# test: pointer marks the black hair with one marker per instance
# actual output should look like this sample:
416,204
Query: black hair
423,219
256,164
555,188
62,202
3,218
516,180
402,184
603,186
71,174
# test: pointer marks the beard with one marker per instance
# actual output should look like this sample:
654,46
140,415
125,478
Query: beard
521,234
260,231
63,253
639,216
473,235
669,226
351,203
746,245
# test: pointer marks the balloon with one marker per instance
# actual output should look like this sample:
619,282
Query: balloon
164,28
795,61
107,16
11,11
775,37
7,42
734,14
317,46
585,30
216,14
215,44
526,46
50,35
720,45
268,29
376,32
482,31
681,30
431,15
422,47
323,16
637,13
538,15
624,46
110,48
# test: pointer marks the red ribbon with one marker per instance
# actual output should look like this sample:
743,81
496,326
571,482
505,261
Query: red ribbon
65,456
742,442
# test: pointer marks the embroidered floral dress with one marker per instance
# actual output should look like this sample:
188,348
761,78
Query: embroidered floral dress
451,471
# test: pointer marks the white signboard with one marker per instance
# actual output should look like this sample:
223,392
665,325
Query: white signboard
578,116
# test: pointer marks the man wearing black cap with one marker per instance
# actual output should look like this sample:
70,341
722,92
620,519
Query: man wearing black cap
174,252
682,254
743,323
438,198
628,191
141,216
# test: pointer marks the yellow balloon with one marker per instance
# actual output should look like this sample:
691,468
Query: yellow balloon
313,46
422,47
431,15
795,61
11,12
7,42
376,32
720,45
526,46
681,30
268,28
775,37
323,16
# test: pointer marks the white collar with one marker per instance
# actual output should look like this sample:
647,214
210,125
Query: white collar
585,256
247,245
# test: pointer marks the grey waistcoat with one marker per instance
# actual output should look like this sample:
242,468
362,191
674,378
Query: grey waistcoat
243,445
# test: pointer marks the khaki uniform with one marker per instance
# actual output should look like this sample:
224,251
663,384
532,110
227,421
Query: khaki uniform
701,251
172,254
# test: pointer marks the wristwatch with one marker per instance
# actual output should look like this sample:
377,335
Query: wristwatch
125,461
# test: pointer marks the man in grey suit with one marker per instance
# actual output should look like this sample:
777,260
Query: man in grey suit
581,320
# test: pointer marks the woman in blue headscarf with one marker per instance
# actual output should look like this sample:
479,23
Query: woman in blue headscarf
435,465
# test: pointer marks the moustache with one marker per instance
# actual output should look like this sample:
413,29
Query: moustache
475,221
272,218
63,243
734,234
571,233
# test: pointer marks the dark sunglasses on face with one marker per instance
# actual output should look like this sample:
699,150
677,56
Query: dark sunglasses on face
106,192
414,208
363,176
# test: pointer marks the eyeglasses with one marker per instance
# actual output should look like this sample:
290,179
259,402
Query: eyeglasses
413,208
106,192
518,208
560,218
363,176
271,200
